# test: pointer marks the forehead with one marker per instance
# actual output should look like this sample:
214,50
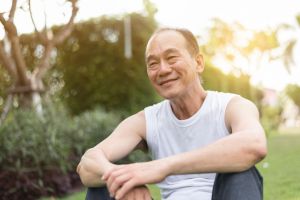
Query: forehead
164,41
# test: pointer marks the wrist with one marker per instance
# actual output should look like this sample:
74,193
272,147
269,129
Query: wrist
172,165
166,166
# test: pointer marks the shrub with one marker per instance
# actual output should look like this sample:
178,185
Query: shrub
39,154
271,118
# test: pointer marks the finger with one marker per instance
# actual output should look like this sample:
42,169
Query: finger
125,188
106,174
118,182
111,179
128,196
139,195
147,195
110,171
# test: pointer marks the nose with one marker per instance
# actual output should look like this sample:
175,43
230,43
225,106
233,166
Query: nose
164,69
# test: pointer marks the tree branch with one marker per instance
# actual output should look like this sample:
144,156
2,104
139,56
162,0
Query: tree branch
9,26
66,30
44,64
42,37
12,11
12,34
2,20
19,59
7,62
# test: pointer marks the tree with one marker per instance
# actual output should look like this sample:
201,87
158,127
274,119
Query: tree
293,92
27,81
95,71
234,44
224,43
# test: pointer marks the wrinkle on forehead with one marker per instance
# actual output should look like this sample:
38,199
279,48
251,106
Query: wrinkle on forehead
164,52
156,45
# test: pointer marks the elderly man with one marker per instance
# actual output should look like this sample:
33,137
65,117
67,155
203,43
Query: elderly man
204,144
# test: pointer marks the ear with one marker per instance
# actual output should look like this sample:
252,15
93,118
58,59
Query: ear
200,63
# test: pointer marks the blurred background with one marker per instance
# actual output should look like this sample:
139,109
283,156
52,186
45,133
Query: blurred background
71,70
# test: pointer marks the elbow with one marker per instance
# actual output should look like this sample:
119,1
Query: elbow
254,152
259,148
81,173
85,176
261,152
85,182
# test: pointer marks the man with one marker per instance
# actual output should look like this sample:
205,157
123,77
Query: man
192,135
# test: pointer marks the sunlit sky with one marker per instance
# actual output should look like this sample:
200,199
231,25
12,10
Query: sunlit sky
195,15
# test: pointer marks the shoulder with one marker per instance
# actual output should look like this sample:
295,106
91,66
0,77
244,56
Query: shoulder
238,104
240,111
136,121
152,111
221,98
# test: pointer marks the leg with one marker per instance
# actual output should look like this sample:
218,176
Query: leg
247,185
98,194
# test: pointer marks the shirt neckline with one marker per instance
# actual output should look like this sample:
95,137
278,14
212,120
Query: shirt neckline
189,121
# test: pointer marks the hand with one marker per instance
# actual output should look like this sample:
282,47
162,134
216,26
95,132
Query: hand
138,193
121,179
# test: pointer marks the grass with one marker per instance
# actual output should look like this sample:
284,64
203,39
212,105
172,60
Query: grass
280,169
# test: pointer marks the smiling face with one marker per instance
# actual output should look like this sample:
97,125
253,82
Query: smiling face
171,67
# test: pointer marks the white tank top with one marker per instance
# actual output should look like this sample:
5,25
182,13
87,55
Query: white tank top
166,135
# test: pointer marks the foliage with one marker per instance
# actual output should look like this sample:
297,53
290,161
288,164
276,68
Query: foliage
95,71
247,50
215,79
41,153
293,92
91,128
5,81
271,118
298,19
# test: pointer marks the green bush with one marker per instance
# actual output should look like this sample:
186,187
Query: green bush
271,118
39,154
91,128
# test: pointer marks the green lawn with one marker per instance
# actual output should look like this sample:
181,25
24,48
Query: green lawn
281,170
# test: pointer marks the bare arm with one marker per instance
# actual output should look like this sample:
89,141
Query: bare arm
124,139
237,152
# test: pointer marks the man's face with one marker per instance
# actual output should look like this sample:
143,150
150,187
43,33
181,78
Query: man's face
171,68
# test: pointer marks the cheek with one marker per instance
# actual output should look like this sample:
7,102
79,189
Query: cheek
151,75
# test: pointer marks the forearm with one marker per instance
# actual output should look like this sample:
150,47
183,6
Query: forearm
234,153
92,166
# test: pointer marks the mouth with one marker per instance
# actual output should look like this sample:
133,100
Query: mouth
165,82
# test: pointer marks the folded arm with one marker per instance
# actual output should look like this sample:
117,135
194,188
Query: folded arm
125,138
237,152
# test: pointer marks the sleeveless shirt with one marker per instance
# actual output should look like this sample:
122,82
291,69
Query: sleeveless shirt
166,135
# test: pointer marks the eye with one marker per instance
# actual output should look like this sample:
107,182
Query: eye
172,59
152,65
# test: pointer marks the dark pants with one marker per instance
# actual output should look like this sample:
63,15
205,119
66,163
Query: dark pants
247,185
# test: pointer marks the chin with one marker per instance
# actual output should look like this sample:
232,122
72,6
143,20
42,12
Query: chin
168,94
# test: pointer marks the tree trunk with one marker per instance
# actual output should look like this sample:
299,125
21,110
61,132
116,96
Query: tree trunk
29,95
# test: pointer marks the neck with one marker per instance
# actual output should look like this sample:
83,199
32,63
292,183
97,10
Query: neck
187,104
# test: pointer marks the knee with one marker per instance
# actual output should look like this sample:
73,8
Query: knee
99,193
